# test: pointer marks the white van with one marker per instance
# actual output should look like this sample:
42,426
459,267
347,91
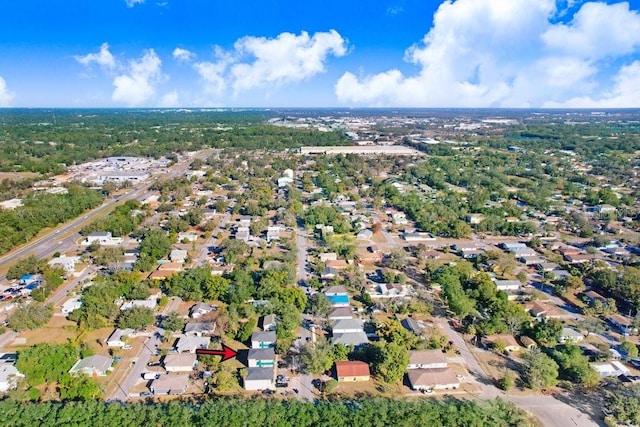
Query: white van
150,376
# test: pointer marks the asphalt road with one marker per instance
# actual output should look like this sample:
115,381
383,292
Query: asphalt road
552,411
67,234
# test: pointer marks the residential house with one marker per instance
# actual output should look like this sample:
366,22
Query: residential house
187,237
180,362
338,296
340,313
506,340
433,379
244,221
610,369
329,273
71,305
200,309
412,325
338,264
605,209
570,335
259,379
353,338
143,303
507,285
178,255
273,233
116,339
242,233
269,322
190,343
264,339
170,384
96,366
475,218
593,296
427,359
538,310
262,357
418,236
346,326
328,256
199,329
623,324
9,376
351,371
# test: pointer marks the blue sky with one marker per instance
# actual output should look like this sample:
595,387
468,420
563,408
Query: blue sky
257,53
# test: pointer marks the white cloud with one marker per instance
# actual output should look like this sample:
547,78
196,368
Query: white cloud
131,3
6,97
504,53
183,54
624,94
597,30
137,87
170,99
284,59
104,58
260,62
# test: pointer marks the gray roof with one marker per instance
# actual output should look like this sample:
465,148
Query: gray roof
262,354
348,324
352,338
257,374
90,364
267,336
411,325
199,327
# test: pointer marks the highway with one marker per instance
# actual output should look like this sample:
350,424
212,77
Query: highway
66,235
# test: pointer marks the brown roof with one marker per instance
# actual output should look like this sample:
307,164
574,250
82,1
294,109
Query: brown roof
170,266
426,357
506,339
432,377
341,312
351,369
161,274
338,264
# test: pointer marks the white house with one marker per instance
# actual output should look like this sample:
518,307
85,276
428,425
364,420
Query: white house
259,379
269,322
570,335
190,343
189,237
116,337
146,303
68,263
261,358
273,233
328,256
284,181
180,362
432,379
201,309
427,359
71,305
178,255
507,285
93,365
9,377
263,339
345,326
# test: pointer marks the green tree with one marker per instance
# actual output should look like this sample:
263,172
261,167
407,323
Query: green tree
391,362
173,322
80,387
136,318
317,357
31,316
318,304
539,370
629,349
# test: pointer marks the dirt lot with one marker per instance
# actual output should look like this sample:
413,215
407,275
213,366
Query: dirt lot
17,176
57,331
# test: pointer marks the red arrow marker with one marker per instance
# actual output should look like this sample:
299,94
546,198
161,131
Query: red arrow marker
226,352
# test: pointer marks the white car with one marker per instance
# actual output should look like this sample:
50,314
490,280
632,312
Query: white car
127,347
